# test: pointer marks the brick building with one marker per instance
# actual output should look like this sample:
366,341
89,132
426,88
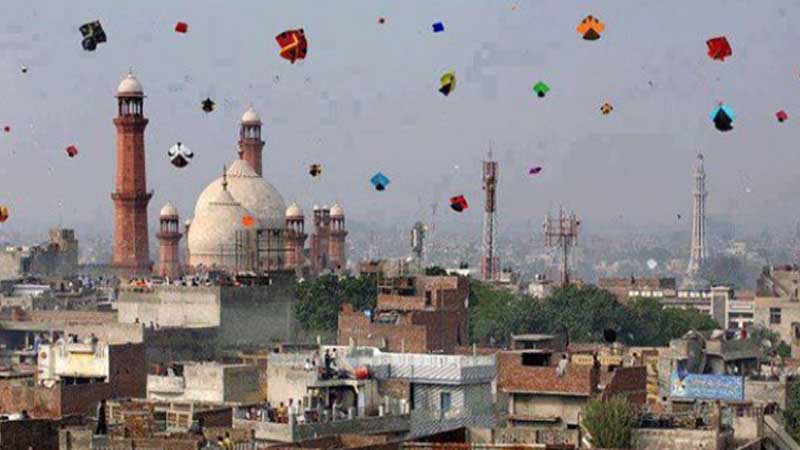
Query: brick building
419,315
547,387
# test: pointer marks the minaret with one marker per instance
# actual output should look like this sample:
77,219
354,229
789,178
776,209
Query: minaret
337,257
131,246
319,239
698,252
295,238
250,143
169,237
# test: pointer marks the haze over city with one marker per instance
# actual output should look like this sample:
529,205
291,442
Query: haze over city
365,99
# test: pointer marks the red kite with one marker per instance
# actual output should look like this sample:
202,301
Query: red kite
719,48
293,44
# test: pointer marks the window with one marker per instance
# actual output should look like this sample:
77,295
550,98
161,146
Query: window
775,316
428,298
536,359
444,401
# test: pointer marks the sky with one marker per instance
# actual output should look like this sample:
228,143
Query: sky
366,99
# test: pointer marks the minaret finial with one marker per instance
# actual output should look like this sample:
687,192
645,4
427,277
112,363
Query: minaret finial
224,177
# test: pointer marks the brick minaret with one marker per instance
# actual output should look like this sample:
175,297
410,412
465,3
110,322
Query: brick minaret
295,238
169,237
131,247
319,240
336,243
250,143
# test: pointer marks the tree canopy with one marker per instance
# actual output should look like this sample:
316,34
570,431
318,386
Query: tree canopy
319,299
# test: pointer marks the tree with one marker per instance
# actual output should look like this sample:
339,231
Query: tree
610,423
435,271
791,416
651,324
319,299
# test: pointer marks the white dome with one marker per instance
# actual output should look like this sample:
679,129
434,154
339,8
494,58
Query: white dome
294,210
130,85
253,193
250,116
168,210
337,211
212,236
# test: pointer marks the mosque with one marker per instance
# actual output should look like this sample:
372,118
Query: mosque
240,224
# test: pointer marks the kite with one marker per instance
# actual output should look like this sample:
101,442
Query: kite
93,34
719,48
315,170
534,170
181,27
293,44
3,214
380,181
180,155
248,221
438,27
782,116
590,28
448,83
24,69
541,88
72,151
606,109
381,20
458,203
208,105
723,118
7,129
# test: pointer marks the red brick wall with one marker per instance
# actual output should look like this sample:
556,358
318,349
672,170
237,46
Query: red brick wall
410,338
169,264
630,382
128,370
216,418
512,376
400,302
83,398
445,329
41,434
250,150
40,402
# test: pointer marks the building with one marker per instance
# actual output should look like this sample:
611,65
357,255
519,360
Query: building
229,316
777,303
58,257
540,287
169,238
697,254
420,314
407,395
547,386
131,243
626,288
241,222
206,382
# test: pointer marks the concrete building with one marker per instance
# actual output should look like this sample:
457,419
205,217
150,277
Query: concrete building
130,196
169,238
404,394
413,314
236,315
777,303
633,287
547,387
58,257
206,382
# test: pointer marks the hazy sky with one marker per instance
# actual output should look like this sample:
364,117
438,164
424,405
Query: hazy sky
365,99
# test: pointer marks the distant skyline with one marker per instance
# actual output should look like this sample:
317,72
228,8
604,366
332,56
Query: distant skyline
366,99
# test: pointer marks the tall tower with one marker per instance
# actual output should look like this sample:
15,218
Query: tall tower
250,143
131,246
489,262
562,232
337,249
169,237
697,254
319,239
295,238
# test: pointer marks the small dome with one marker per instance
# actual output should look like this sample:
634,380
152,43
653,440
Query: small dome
251,116
316,207
130,86
294,210
168,210
337,211
188,223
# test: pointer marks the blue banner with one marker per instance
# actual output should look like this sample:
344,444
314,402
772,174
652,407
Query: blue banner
710,387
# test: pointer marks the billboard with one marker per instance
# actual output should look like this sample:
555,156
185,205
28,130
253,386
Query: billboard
692,386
